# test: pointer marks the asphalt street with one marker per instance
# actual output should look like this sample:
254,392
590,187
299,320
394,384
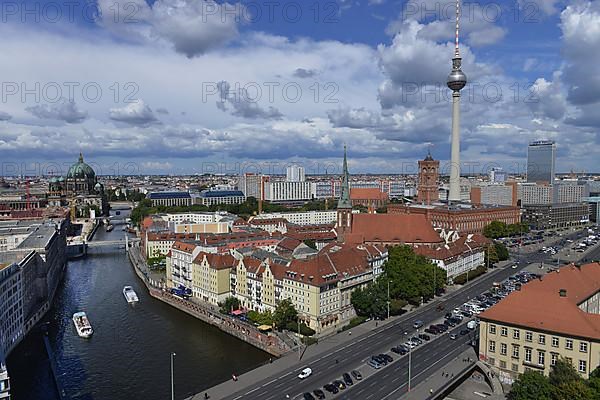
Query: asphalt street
388,382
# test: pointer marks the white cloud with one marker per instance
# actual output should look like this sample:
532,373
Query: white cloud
192,27
136,113
63,110
5,116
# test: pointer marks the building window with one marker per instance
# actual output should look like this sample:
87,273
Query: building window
542,339
515,367
541,357
515,351
492,361
492,346
582,366
583,347
569,344
527,354
503,349
528,336
492,329
516,334
555,341
504,331
553,358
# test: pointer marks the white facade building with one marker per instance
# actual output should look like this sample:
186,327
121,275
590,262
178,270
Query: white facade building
303,218
289,191
294,173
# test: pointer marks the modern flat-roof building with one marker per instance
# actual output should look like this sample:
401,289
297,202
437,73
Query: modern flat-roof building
594,203
557,316
215,197
170,199
560,215
541,161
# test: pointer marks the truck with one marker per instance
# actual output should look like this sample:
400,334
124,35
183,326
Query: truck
471,325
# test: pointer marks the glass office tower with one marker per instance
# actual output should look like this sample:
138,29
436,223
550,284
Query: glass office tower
541,161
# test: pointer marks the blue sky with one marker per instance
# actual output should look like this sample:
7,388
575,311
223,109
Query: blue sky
191,86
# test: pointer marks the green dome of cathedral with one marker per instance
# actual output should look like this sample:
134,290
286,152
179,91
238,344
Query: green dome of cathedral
81,170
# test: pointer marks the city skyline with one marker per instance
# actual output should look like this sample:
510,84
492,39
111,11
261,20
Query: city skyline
388,80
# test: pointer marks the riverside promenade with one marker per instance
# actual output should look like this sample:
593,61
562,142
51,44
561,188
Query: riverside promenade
205,312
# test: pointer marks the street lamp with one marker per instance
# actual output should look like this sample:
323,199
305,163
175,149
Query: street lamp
172,384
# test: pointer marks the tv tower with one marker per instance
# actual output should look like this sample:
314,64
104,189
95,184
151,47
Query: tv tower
456,81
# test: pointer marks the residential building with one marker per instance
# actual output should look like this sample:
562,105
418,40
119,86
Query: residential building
328,189
284,192
541,162
570,192
320,288
557,316
457,257
492,194
303,217
533,193
258,284
170,199
211,279
252,185
179,270
4,381
294,173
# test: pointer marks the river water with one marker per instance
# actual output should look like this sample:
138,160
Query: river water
128,357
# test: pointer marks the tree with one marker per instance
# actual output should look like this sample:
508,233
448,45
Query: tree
594,382
501,251
495,230
284,313
563,372
229,304
531,385
261,318
573,390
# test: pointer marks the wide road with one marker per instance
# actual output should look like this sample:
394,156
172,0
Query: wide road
353,355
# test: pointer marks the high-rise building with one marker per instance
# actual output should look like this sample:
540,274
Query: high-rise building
294,173
541,161
456,81
428,190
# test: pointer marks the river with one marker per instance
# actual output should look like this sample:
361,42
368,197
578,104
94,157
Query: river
128,357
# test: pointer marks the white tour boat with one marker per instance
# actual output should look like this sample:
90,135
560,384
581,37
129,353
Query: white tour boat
82,324
130,295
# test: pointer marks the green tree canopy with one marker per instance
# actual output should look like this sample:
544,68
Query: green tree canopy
531,385
230,303
563,372
284,312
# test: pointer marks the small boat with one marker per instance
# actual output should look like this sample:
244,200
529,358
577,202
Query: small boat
109,228
82,324
130,295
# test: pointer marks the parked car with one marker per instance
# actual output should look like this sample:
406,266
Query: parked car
386,357
305,373
331,388
319,393
453,336
308,396
347,379
424,337
464,332
356,375
418,324
341,385
374,363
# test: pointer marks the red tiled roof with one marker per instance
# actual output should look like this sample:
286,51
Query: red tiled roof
367,194
392,228
289,243
185,247
216,261
538,305
331,264
464,244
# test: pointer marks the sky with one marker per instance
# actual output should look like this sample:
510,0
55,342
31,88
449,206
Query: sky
204,86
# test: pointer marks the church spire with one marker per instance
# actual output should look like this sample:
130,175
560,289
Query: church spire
80,157
344,201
